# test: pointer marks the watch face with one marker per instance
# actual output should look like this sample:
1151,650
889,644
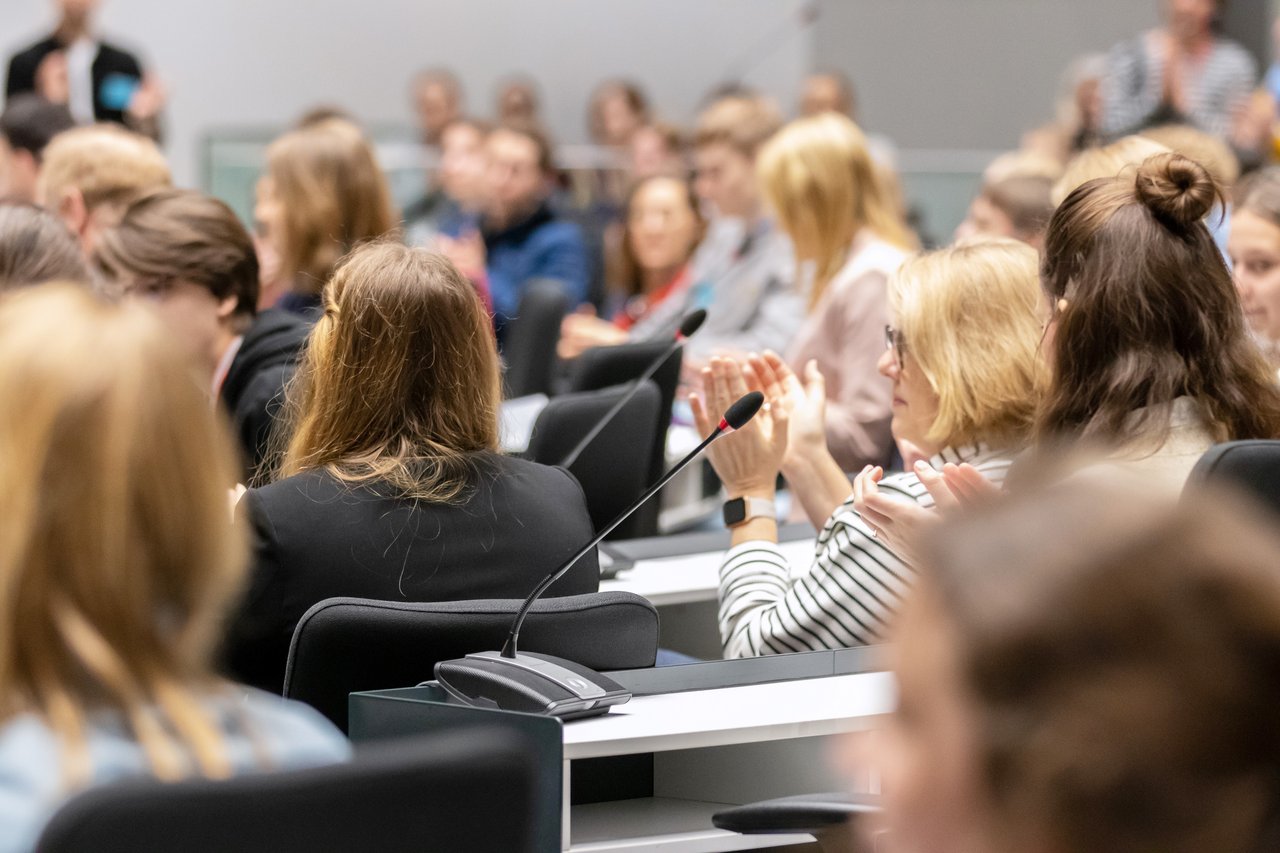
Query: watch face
735,511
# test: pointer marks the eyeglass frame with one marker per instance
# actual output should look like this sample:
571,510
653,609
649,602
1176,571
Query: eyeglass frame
893,342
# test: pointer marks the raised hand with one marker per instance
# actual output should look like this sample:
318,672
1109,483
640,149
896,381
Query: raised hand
747,460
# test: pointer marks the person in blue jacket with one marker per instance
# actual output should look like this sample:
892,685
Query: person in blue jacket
519,237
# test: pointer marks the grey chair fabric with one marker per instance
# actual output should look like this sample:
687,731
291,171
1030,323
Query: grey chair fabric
345,645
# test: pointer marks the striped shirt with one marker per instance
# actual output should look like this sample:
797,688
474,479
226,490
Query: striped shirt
850,592
1133,87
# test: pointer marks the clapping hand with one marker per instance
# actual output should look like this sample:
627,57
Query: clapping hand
747,460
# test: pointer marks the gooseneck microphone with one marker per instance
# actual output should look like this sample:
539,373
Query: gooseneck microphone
542,684
690,324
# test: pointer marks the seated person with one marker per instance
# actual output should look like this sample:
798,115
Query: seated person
1087,670
27,125
963,390
652,277
452,205
1254,247
90,174
1018,206
819,179
118,568
520,238
1105,162
35,247
322,193
188,255
437,99
657,148
393,487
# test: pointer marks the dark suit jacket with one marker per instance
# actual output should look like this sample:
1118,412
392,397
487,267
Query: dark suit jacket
315,537
110,61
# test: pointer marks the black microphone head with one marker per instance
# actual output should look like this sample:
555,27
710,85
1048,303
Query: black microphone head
744,410
692,322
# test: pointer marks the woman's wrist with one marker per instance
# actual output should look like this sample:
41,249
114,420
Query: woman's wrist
752,489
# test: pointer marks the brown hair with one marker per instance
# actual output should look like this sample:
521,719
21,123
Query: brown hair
628,278
184,235
1122,656
630,92
1151,313
399,384
36,247
1026,199
743,122
541,141
117,561
333,194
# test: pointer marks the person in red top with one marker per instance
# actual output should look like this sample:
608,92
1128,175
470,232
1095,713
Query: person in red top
652,283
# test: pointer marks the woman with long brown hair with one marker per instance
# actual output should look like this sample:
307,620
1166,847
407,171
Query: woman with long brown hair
392,484
117,566
323,193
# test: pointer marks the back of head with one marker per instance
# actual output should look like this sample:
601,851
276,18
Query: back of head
1122,665
1105,162
116,558
183,235
409,331
820,181
970,316
742,122
105,163
1028,202
30,122
1146,311
333,195
36,247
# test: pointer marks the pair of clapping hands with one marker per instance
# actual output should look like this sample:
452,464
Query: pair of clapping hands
788,436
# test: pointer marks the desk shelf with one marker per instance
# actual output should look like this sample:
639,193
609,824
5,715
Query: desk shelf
662,824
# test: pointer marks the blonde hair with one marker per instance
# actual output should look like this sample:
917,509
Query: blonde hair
1105,162
823,186
400,380
1209,151
333,195
106,163
117,559
744,123
970,318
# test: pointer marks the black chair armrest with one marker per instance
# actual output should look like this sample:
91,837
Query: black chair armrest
805,813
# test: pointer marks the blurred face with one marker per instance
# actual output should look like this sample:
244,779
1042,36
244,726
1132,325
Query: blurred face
651,156
986,220
18,172
618,119
1254,247
436,108
76,10
821,94
915,403
1188,19
726,180
268,214
517,103
514,182
926,751
462,164
663,229
193,315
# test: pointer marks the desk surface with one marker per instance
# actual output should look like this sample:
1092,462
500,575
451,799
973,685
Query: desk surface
689,577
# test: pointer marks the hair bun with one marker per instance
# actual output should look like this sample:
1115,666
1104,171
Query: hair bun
1177,189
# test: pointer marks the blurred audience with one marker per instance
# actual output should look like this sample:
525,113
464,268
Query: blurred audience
657,149
518,102
187,256
618,109
1105,162
36,247
819,179
1018,207
91,174
27,125
118,568
398,492
454,203
322,193
1254,247
437,100
962,360
827,91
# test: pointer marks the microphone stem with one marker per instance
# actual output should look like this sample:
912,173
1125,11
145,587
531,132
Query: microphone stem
573,455
509,648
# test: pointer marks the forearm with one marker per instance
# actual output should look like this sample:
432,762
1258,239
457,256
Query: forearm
817,481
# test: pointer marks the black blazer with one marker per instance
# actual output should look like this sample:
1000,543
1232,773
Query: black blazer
315,537
110,62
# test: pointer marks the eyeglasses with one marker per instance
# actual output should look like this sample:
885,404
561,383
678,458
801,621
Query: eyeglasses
894,342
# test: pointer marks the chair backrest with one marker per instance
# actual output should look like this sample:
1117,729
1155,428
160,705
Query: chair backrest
529,346
346,645
603,367
483,791
614,468
1250,466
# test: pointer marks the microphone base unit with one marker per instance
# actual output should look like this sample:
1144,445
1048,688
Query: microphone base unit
530,683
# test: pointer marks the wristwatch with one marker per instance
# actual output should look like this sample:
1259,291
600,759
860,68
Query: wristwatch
741,510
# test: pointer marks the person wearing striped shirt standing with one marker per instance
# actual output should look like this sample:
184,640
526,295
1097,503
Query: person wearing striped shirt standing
962,355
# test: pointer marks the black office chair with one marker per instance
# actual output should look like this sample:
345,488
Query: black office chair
826,817
1249,466
603,367
346,645
482,793
529,348
614,469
